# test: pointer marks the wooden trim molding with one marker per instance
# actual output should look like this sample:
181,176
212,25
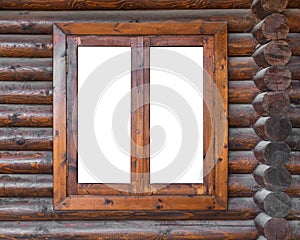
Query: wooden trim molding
140,194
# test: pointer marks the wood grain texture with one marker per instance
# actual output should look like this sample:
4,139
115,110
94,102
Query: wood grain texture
27,92
273,228
26,185
35,22
41,46
242,139
130,230
242,162
273,27
263,8
26,139
29,46
120,4
275,204
25,115
27,162
23,69
242,115
42,209
242,91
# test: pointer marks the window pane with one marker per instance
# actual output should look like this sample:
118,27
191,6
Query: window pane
104,84
176,114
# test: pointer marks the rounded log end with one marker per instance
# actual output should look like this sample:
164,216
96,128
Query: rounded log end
263,8
273,128
275,204
274,154
273,179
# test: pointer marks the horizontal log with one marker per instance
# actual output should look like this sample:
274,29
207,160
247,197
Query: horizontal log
26,139
295,212
263,8
245,91
294,164
292,16
242,185
239,20
26,46
26,162
242,162
119,229
127,5
242,68
120,5
41,46
294,139
275,53
294,92
241,91
23,69
273,78
42,209
241,44
275,204
294,115
293,66
273,128
293,40
295,229
26,92
245,162
275,154
24,185
273,179
33,185
242,115
272,103
25,115
273,27
242,139
273,228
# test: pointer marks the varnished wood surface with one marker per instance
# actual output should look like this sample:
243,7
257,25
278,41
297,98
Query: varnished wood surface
130,230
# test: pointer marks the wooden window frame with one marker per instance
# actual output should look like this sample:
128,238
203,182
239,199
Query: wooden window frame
68,194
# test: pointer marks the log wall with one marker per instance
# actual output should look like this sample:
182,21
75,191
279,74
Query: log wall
26,123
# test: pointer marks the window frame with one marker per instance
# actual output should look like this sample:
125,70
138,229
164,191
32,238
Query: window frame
68,194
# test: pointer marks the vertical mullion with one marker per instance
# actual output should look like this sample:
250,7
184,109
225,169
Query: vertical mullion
140,118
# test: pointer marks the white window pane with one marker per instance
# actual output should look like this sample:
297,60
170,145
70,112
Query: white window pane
104,84
176,114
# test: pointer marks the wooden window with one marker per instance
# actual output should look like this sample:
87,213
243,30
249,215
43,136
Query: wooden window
140,193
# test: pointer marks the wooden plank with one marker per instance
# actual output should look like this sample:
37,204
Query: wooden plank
25,162
23,69
72,114
25,185
239,20
29,46
121,5
60,118
140,117
26,92
26,139
234,230
42,209
25,115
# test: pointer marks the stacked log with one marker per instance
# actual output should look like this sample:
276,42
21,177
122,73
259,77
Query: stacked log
272,54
